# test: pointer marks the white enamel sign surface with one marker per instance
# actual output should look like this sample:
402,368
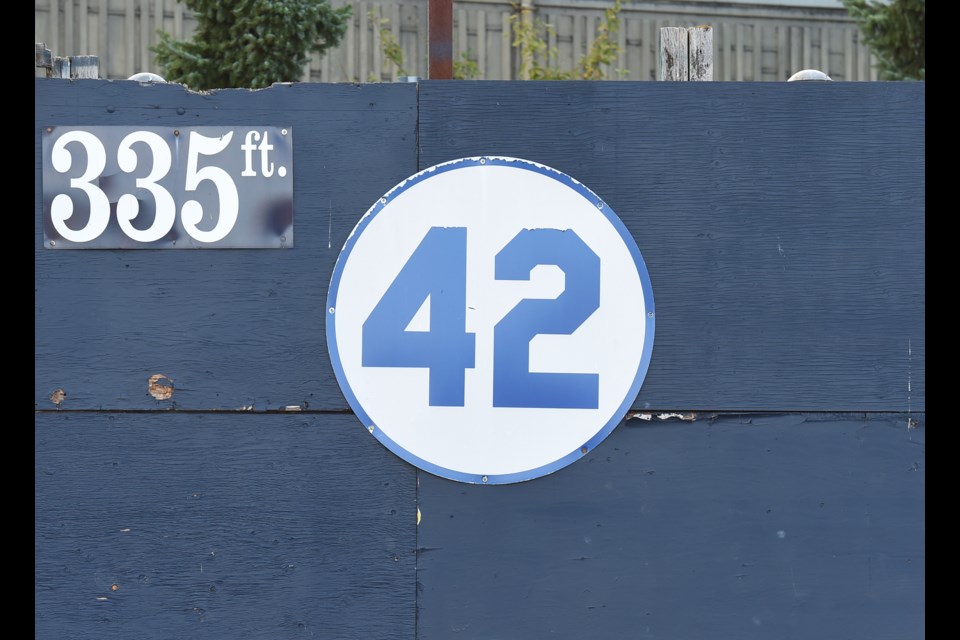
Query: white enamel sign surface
490,320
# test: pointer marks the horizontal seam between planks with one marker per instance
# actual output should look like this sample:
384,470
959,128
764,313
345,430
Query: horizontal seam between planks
727,412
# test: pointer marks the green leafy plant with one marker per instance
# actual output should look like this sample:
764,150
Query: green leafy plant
250,43
894,31
466,68
538,60
604,48
388,43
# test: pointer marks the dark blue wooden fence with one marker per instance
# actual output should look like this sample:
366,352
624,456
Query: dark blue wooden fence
783,228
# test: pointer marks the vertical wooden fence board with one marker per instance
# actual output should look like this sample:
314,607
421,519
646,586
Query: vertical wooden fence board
54,25
83,28
103,37
231,327
174,18
178,21
790,526
782,224
396,27
481,52
129,35
848,59
146,56
69,28
783,62
177,525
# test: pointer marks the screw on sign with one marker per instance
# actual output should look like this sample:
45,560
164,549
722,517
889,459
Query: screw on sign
492,317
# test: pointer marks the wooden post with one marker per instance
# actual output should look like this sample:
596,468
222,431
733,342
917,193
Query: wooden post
440,38
701,53
60,68
44,59
66,67
686,54
84,67
674,59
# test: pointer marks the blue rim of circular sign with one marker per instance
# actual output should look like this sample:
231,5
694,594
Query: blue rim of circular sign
478,478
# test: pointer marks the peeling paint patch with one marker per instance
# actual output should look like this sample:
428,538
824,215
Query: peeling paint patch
160,386
58,396
293,407
688,416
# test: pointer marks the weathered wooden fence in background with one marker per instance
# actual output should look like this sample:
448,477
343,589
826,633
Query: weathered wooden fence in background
768,41
782,225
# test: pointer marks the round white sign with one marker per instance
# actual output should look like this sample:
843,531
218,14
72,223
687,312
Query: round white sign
490,320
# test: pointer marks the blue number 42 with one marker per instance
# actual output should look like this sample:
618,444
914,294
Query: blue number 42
437,271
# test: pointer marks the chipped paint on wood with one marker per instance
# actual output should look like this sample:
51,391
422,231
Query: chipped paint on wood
689,416
57,397
160,386
686,416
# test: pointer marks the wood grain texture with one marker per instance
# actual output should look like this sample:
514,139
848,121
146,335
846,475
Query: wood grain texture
782,225
60,67
43,56
221,526
84,67
232,328
674,62
701,53
762,526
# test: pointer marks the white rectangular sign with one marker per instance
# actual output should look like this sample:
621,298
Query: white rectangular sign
120,187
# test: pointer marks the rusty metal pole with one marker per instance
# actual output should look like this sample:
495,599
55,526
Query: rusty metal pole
440,48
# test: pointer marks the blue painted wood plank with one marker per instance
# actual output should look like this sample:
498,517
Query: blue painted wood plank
782,225
221,526
232,328
754,526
